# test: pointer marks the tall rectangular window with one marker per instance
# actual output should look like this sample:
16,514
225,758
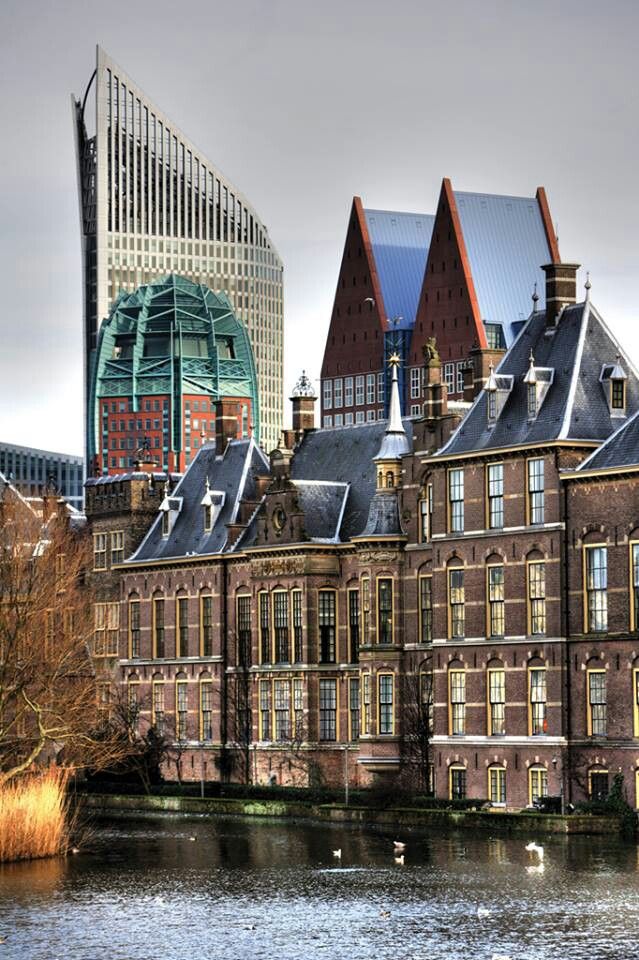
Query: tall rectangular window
206,710
328,709
298,636
99,629
112,629
385,703
537,693
158,627
366,610
359,391
456,501
366,703
415,383
244,634
265,628
495,484
298,708
535,470
134,628
182,632
338,392
426,609
449,377
280,622
457,701
426,514
456,604
634,563
427,701
457,783
353,708
348,391
496,603
385,610
265,709
282,703
182,708
596,558
597,703
496,703
117,546
157,714
99,551
353,625
328,395
497,785
380,387
370,388
327,624
536,598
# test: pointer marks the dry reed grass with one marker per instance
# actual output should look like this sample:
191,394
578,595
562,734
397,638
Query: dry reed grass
34,817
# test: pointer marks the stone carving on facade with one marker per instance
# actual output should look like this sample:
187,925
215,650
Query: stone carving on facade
377,556
430,351
278,566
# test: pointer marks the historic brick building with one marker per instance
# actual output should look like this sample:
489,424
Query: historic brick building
434,595
464,276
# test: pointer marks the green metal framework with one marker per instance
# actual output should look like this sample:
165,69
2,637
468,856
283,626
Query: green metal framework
146,347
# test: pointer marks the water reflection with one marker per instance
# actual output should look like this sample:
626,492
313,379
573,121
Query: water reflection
168,889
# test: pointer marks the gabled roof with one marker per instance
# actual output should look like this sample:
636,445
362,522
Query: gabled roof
400,243
232,474
345,455
575,406
506,242
323,504
618,452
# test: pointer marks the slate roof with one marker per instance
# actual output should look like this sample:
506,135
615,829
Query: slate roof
620,450
506,244
345,455
400,244
323,504
232,473
383,515
575,406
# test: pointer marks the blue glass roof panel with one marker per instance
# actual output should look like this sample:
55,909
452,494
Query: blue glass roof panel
506,244
400,244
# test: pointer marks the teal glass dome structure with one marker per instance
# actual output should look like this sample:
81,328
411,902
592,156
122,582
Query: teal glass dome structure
167,351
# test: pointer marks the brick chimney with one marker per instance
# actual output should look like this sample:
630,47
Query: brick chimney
561,289
225,423
303,399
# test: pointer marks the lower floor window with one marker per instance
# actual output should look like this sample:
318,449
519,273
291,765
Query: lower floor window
386,703
457,783
538,783
598,785
497,785
328,709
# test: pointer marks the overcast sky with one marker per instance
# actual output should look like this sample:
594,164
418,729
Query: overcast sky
302,105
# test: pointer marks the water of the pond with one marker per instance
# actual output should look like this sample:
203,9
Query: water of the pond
185,889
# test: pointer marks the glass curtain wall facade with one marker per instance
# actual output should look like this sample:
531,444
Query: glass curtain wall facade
151,204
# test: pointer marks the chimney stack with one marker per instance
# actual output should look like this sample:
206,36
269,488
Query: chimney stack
303,399
226,427
561,289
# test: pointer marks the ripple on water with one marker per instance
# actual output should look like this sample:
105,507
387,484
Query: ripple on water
247,889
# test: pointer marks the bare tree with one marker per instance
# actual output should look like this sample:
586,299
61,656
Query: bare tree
417,727
240,715
51,705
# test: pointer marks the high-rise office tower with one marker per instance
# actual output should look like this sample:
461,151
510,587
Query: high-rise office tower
151,204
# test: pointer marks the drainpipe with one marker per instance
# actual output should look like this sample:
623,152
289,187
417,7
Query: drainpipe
565,600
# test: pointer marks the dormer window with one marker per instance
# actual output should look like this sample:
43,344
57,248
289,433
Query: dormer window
497,387
169,509
166,523
537,380
211,503
613,379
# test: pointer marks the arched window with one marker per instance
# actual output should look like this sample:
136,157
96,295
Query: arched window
134,626
157,704
497,785
456,602
596,698
158,626
537,783
390,479
206,707
457,782
537,697
598,787
181,706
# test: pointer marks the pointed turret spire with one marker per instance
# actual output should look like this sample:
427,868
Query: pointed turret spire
587,285
531,373
395,442
535,297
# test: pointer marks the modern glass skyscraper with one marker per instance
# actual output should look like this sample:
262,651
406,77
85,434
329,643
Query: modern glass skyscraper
151,204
